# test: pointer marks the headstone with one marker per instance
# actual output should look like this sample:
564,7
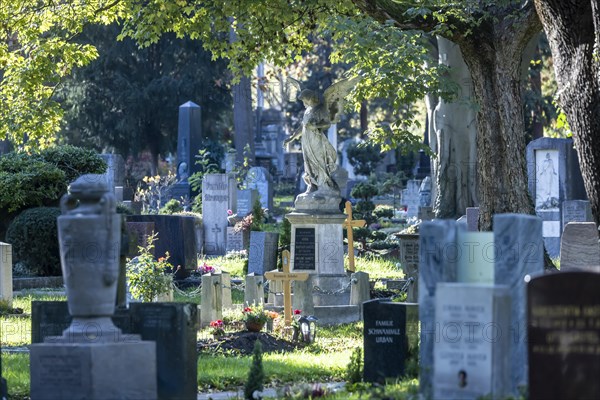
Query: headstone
472,219
245,201
579,248
390,329
302,298
576,211
115,170
519,252
6,285
211,299
258,178
360,289
173,326
293,163
226,287
471,359
425,192
119,194
426,213
438,257
189,138
287,277
176,235
92,359
305,249
235,240
262,253
215,203
410,198
554,177
254,291
409,260
564,336
139,232
476,257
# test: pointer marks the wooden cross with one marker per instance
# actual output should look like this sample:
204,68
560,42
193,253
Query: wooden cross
287,277
349,224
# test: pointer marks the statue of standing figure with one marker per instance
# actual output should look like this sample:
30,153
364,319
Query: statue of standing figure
320,157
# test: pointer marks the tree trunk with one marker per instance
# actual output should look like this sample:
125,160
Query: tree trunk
573,31
453,140
496,75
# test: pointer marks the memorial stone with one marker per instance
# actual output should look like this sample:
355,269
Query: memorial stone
215,203
471,359
211,296
472,219
173,326
115,170
438,257
176,235
235,240
254,291
302,298
245,201
579,248
519,252
576,211
426,213
262,253
390,332
189,138
360,288
409,260
258,178
139,233
554,176
410,198
6,285
563,330
476,252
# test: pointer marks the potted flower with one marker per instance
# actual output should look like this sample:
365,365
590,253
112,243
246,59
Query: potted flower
255,318
216,328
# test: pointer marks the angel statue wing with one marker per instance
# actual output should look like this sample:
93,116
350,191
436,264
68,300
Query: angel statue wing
334,97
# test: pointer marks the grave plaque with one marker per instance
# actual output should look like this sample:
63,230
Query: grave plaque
576,211
579,248
235,240
471,358
564,336
245,200
215,203
258,178
304,256
387,329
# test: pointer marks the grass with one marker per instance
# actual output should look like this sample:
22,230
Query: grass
15,369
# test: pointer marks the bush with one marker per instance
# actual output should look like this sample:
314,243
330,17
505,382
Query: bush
74,161
34,238
383,211
256,376
172,206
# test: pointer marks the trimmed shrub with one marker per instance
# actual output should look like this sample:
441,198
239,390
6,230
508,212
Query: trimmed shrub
34,238
74,161
383,211
173,206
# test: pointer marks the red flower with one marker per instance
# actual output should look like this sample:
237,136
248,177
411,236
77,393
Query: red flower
297,312
247,309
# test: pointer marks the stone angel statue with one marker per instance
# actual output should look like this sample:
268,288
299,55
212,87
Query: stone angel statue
320,157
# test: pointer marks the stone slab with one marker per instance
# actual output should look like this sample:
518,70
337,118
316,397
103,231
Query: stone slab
6,280
579,248
262,252
215,203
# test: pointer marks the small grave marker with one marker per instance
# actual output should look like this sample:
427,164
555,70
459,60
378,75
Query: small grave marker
349,224
287,277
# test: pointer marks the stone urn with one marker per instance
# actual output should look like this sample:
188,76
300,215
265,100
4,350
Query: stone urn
89,232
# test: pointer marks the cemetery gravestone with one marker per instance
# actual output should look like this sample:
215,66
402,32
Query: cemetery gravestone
390,330
211,296
426,213
471,357
410,198
554,176
475,257
472,219
245,201
215,203
139,232
189,137
176,235
519,252
115,170
262,253
564,336
305,246
258,178
579,248
6,285
409,259
254,292
235,240
576,211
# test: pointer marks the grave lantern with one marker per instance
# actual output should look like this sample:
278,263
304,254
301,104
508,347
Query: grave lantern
308,328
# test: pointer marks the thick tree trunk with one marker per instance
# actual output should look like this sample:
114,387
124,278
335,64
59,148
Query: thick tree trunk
573,31
502,177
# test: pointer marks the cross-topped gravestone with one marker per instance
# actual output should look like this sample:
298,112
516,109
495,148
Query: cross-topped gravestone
349,224
287,277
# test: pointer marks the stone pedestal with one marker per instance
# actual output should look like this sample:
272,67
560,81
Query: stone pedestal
93,370
317,248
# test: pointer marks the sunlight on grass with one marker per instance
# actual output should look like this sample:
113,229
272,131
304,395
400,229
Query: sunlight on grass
232,264
377,268
15,369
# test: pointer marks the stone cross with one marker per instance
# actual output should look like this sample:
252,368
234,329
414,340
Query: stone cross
349,224
287,277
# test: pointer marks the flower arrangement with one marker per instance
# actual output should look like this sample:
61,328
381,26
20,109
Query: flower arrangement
217,328
204,268
297,314
256,314
244,225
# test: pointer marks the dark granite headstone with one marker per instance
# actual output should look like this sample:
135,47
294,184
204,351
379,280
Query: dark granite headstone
576,211
138,233
564,336
176,235
304,255
172,325
262,253
390,329
189,137
472,219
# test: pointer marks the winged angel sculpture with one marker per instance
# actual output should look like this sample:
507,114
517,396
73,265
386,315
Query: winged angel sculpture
320,157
